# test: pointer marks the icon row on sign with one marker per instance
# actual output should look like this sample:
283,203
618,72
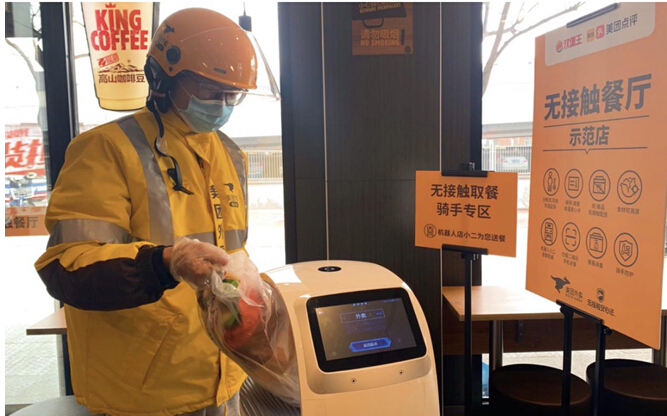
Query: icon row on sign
628,187
626,249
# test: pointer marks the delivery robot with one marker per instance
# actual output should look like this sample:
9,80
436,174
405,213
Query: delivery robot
361,339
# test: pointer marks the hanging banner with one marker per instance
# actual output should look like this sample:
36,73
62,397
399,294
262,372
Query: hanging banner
466,211
119,35
382,28
598,194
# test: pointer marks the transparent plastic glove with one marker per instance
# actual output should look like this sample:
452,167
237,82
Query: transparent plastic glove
247,319
197,263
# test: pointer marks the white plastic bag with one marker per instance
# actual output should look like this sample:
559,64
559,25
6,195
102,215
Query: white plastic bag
247,319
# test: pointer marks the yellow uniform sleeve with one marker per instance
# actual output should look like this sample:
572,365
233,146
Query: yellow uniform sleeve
93,261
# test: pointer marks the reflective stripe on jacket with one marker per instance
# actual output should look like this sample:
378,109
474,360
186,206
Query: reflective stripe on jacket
135,340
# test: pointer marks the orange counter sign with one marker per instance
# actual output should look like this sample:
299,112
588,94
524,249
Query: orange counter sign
599,168
467,211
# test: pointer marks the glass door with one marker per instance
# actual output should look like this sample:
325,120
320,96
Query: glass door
31,362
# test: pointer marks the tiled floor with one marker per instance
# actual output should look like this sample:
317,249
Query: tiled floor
31,366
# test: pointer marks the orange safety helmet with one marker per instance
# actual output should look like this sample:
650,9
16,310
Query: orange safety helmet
206,43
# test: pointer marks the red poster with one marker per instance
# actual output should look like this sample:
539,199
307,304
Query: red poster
26,189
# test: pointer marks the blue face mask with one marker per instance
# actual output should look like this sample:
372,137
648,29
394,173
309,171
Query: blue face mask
205,115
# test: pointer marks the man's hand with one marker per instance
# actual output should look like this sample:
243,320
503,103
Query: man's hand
194,262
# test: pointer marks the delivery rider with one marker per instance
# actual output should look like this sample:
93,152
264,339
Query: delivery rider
127,190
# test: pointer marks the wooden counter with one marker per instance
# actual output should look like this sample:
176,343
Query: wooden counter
53,324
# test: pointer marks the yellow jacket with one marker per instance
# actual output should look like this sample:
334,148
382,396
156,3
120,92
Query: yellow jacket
135,340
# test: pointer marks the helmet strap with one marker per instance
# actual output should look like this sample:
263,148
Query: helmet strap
159,85
150,104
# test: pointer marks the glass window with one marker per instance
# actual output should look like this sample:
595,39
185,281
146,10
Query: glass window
507,114
31,362
508,86
255,125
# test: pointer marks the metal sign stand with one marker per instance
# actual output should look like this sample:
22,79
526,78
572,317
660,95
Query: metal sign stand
569,311
598,378
470,254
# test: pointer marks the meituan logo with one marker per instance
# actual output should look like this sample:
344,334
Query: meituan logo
560,283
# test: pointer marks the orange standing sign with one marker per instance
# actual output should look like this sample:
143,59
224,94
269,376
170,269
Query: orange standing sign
599,168
466,211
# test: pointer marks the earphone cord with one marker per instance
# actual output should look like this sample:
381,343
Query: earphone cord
174,173
150,104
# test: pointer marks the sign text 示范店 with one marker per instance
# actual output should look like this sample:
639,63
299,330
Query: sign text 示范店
119,35
598,192
466,211
617,97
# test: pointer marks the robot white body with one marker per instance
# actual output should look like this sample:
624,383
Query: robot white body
362,342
